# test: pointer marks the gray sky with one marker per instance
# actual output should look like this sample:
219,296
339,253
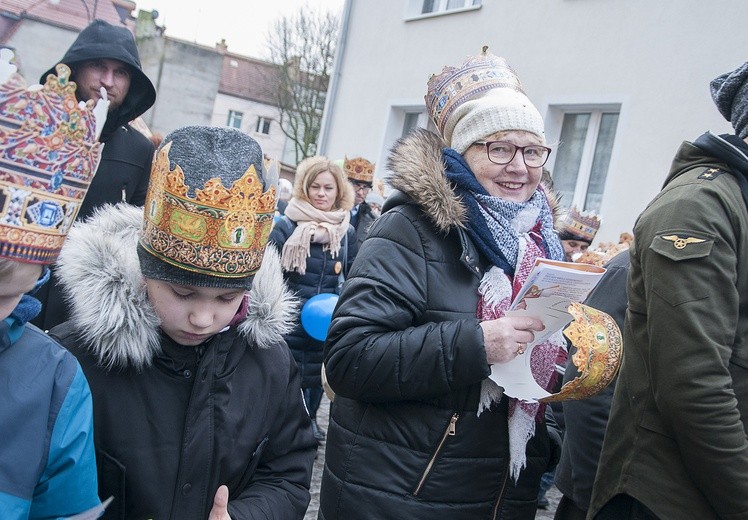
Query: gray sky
243,23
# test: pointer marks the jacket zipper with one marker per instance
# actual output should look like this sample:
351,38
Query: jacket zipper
322,273
449,432
501,491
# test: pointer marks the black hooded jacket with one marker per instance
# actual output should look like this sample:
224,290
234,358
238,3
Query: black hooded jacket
126,159
125,165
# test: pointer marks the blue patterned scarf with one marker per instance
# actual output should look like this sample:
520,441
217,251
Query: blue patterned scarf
495,225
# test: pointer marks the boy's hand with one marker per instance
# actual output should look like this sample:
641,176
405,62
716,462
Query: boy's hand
220,510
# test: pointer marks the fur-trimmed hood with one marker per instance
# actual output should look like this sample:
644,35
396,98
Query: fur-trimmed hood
100,273
418,167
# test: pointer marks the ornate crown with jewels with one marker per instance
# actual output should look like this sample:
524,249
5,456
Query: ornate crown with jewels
359,169
477,75
49,152
576,225
221,232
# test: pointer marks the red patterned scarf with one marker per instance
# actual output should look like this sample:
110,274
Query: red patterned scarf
497,291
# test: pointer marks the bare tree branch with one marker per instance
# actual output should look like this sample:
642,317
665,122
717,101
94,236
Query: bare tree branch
303,47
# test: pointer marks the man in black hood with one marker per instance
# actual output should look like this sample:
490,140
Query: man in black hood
104,55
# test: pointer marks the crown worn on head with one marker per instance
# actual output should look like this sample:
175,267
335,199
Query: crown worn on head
576,225
476,75
359,169
49,152
220,232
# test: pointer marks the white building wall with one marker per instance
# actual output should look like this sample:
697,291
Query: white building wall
653,58
272,143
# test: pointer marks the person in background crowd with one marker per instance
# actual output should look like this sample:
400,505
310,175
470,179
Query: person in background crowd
586,419
285,189
360,173
317,245
375,201
417,428
677,445
105,56
577,230
47,460
178,317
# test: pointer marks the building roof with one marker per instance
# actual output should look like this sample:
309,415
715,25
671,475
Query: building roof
69,14
249,78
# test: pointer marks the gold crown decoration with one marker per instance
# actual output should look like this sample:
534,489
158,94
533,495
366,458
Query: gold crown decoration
359,169
579,225
219,232
49,152
477,75
599,345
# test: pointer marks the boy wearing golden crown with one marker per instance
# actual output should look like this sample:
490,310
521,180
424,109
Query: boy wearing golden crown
48,156
178,317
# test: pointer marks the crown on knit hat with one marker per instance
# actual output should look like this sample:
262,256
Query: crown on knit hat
359,169
480,98
210,214
49,152
576,225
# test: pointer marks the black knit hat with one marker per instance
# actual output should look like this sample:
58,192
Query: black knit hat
730,94
209,209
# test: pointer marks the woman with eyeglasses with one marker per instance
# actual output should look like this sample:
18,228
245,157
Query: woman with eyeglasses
417,429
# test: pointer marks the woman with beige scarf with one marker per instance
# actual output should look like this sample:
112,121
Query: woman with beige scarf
317,245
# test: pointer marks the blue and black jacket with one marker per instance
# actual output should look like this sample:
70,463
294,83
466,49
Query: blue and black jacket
47,461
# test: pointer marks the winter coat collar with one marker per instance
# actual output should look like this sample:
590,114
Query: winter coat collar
710,150
417,170
100,273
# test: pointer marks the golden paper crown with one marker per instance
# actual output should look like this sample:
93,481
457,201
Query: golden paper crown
477,75
578,225
599,345
359,169
49,152
221,232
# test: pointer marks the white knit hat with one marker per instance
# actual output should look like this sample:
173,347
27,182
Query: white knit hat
495,111
480,98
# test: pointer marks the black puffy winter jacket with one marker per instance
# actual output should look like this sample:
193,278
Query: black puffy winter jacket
321,276
405,356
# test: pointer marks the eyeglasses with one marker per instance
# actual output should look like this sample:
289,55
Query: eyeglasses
502,152
363,187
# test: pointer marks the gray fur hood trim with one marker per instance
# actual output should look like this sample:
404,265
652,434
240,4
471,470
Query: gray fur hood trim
418,171
100,274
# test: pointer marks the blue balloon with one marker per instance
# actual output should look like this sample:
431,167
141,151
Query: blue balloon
316,315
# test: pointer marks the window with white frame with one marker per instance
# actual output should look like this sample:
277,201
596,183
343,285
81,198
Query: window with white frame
580,166
235,119
263,125
438,6
412,120
403,118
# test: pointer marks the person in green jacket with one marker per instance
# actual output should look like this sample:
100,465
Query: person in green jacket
676,443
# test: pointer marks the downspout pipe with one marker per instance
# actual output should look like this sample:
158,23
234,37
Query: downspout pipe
332,89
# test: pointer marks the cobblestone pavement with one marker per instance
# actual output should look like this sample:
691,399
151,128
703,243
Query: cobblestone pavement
323,418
